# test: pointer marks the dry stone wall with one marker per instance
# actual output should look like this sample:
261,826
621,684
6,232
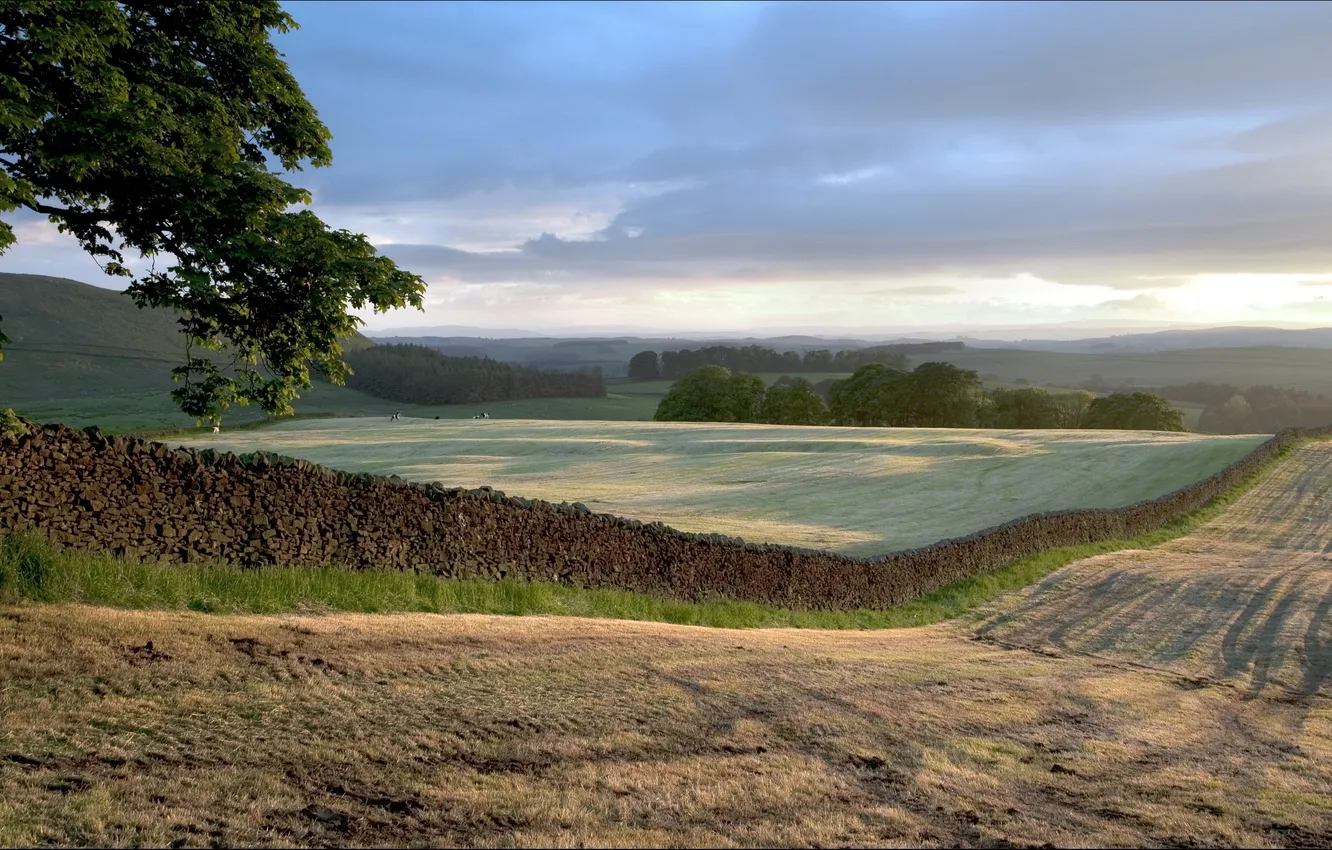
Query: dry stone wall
144,499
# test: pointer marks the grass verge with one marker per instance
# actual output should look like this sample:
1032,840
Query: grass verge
31,569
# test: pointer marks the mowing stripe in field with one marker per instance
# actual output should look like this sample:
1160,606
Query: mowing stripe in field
857,491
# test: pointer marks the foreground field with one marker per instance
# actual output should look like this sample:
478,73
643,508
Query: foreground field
151,728
137,728
861,491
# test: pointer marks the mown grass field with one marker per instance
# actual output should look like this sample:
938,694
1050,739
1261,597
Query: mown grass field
860,491
1245,598
131,728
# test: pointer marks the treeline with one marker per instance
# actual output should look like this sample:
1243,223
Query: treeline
672,365
416,374
933,395
1260,409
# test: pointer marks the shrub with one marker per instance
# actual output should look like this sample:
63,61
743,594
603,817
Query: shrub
11,425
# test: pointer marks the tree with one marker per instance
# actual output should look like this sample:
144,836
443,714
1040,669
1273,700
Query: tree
818,360
1073,407
793,402
150,127
944,396
1137,412
644,366
1025,408
712,394
746,398
874,396
1236,416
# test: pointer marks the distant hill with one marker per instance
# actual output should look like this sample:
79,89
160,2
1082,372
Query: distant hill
1308,369
1175,340
610,354
71,339
448,331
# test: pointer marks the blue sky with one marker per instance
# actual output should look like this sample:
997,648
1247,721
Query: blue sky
823,167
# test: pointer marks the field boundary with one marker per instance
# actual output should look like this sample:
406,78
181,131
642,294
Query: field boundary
137,498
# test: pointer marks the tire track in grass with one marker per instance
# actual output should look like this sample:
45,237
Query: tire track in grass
1246,598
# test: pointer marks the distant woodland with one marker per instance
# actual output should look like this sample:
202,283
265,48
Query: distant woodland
672,365
415,374
1252,410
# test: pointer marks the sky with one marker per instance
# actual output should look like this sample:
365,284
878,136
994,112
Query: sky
822,167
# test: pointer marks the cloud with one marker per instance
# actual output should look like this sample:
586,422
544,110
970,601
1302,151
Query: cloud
1145,301
1087,144
925,289
644,155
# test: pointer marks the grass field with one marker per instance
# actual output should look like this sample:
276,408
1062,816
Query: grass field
1017,726
860,491
156,412
119,412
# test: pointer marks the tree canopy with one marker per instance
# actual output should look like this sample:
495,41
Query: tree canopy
1033,407
645,366
150,127
1140,411
792,401
758,358
417,374
933,395
712,394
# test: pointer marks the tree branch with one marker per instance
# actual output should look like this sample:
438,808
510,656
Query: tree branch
45,209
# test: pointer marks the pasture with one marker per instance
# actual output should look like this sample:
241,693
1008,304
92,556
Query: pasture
860,491
1158,697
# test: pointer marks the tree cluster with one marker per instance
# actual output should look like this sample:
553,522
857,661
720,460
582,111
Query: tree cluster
1258,409
715,394
1139,411
416,374
940,395
933,395
673,365
1033,407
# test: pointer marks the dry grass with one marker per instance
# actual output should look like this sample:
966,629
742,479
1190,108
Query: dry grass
862,491
488,731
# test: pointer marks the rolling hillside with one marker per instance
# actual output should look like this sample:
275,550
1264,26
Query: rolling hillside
1298,368
83,355
70,339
